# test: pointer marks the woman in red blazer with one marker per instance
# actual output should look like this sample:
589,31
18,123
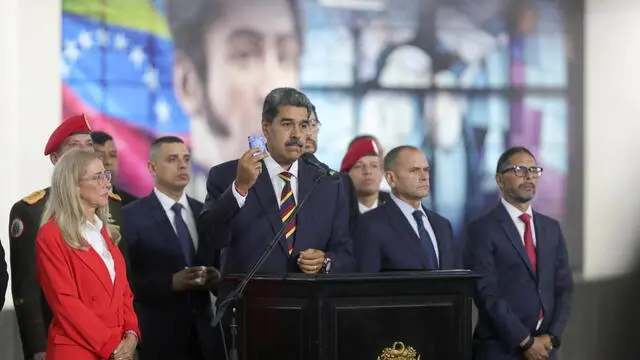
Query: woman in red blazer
80,269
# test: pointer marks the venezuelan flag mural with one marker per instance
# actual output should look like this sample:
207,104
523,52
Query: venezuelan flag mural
462,79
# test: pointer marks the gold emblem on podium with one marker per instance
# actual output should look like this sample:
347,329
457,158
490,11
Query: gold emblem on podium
398,351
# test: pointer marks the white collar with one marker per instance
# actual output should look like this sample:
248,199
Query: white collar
405,207
273,168
168,202
95,225
513,211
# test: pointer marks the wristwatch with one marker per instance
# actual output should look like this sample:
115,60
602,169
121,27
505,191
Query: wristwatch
326,266
555,341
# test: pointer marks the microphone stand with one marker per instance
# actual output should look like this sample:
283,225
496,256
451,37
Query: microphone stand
237,293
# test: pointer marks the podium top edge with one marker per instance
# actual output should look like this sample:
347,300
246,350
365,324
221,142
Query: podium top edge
389,275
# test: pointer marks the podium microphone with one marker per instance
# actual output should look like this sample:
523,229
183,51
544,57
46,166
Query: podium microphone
236,294
310,159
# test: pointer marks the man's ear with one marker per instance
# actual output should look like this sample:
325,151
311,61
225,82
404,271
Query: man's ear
391,178
188,86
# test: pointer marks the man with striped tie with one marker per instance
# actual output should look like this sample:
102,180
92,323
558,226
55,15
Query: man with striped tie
249,200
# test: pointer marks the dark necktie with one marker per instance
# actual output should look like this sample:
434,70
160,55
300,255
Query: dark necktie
287,206
186,243
425,241
529,248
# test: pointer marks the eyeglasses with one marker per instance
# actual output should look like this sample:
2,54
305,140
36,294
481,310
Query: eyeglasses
315,124
522,171
100,178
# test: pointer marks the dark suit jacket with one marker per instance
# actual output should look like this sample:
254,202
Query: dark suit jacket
166,317
509,294
4,276
245,232
126,198
386,241
32,311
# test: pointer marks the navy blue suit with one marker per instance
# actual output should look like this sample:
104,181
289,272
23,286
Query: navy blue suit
4,277
386,241
168,319
509,294
244,232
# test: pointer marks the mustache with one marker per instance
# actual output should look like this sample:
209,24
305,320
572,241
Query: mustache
527,185
294,141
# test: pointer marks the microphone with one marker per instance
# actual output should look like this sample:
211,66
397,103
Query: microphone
236,294
310,159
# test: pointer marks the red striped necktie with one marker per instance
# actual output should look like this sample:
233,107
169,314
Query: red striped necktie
287,206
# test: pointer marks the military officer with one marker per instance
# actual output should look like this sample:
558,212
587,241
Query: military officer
31,309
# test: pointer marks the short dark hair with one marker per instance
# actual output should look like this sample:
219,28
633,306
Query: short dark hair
506,156
157,143
283,96
189,21
360,137
100,137
391,159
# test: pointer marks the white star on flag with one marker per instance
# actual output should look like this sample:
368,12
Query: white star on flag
102,37
137,56
163,111
150,78
85,40
71,51
120,42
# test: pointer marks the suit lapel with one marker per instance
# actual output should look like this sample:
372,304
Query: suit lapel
443,251
164,226
542,246
270,204
511,231
94,262
401,225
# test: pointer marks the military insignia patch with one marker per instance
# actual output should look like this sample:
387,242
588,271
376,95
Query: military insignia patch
398,351
16,228
34,197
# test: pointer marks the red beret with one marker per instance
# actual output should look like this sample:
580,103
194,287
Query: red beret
70,126
357,150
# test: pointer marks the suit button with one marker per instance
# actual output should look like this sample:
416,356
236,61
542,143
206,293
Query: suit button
540,292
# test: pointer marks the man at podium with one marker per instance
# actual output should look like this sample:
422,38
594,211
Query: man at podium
401,234
251,199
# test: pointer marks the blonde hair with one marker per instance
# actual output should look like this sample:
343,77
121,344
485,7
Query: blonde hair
64,202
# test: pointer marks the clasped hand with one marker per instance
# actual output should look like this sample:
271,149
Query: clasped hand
311,261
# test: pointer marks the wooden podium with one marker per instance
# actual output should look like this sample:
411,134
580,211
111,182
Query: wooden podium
394,315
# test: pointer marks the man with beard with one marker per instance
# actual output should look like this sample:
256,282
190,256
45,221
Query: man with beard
229,55
246,205
524,295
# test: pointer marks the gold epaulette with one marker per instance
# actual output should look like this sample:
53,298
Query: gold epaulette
115,197
35,196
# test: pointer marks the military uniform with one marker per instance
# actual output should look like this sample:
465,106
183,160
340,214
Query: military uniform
31,308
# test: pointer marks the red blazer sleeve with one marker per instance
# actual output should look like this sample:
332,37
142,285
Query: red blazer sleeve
58,285
130,317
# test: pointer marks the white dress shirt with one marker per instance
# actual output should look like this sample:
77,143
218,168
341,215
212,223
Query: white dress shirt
364,208
91,233
407,211
273,169
187,214
515,213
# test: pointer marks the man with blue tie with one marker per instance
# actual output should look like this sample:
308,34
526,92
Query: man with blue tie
172,267
401,234
524,295
250,199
